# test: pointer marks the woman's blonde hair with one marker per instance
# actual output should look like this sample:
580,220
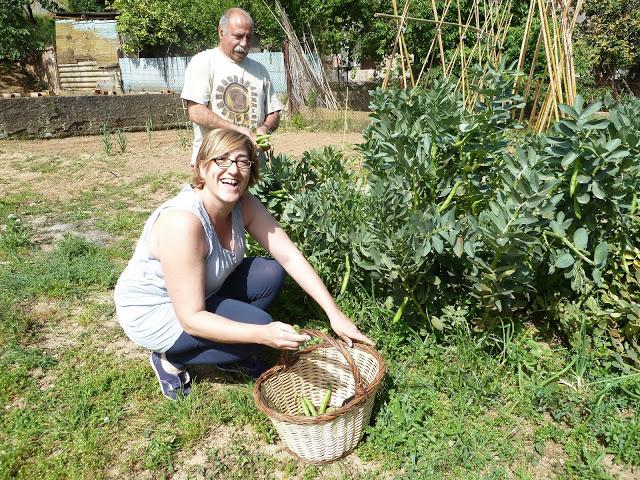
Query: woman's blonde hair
219,142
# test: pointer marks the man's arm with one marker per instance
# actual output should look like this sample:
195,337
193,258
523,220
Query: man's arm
204,117
270,124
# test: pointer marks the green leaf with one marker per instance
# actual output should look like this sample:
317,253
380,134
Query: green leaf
595,189
437,323
564,261
569,111
598,124
611,145
481,287
580,239
438,246
584,198
557,228
600,255
459,247
591,109
568,159
597,277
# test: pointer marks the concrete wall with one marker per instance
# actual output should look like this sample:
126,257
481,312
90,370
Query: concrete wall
57,117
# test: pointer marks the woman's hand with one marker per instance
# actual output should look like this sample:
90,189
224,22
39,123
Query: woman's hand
282,336
347,330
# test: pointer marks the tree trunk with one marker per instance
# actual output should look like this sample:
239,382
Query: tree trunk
51,69
291,101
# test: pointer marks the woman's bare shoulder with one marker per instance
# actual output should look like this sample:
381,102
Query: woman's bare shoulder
178,229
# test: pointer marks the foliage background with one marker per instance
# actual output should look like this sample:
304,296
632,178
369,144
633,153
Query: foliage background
457,210
606,47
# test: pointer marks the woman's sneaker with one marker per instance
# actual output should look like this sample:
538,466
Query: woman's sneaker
170,383
249,366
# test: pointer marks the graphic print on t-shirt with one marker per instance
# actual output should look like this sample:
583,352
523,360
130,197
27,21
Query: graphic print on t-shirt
237,100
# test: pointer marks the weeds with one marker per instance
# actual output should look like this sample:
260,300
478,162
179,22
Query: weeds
13,234
107,143
184,136
121,138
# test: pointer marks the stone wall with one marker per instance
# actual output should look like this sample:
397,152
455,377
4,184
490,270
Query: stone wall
57,117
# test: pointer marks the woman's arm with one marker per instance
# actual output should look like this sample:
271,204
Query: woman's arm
267,231
179,242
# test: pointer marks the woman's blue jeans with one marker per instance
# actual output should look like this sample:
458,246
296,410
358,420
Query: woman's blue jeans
245,297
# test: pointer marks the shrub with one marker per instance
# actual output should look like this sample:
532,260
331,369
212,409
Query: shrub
460,209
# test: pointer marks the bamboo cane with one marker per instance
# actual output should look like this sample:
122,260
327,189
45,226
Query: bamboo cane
463,71
530,80
556,54
525,36
548,44
387,76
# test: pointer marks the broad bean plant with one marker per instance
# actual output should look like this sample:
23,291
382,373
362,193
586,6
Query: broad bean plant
457,208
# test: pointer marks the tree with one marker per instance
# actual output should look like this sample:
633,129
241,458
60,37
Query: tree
608,40
21,34
183,27
336,24
87,5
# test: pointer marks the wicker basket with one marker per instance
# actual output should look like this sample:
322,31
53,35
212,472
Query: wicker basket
354,375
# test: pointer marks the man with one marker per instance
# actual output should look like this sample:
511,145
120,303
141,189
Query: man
223,88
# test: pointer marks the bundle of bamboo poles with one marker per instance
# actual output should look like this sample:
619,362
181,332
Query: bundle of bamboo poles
557,22
308,77
481,36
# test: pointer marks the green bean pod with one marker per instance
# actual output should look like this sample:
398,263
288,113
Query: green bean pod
325,401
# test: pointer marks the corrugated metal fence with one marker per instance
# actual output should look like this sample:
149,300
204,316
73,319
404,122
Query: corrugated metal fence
156,74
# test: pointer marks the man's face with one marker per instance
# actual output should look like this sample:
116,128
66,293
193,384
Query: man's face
235,40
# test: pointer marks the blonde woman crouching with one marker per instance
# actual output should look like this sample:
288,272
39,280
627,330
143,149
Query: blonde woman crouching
189,294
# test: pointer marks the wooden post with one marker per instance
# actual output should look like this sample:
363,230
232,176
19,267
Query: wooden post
291,103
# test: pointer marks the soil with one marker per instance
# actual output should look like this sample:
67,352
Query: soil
16,78
163,154
168,152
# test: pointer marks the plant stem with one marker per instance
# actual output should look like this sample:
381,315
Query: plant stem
411,293
570,245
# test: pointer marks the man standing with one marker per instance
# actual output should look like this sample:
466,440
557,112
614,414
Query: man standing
224,88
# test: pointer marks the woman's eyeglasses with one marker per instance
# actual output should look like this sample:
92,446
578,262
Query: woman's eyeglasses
242,163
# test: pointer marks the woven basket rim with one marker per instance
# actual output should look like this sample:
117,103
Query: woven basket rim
281,367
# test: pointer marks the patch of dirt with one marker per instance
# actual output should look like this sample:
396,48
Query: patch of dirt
211,455
47,235
15,78
546,465
620,472
550,462
37,164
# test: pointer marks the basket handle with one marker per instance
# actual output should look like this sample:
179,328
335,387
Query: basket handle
342,348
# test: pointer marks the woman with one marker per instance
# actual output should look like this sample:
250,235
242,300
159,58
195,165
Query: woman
189,295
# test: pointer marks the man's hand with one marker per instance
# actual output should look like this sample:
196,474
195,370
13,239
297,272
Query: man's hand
263,130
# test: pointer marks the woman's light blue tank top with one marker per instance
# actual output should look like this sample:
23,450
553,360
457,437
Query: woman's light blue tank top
142,301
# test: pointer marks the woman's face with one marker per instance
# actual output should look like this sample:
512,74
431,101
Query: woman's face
228,184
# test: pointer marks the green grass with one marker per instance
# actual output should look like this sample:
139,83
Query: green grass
78,401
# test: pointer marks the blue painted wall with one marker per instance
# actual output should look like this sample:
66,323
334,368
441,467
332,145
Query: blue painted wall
155,74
